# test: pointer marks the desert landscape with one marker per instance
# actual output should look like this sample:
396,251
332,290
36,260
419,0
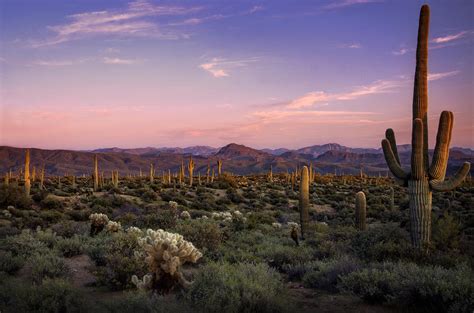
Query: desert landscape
232,228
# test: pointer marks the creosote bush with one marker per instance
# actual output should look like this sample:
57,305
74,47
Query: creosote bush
244,287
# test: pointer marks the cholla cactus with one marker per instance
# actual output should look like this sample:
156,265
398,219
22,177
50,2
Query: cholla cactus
113,227
276,225
222,216
185,215
293,225
134,231
143,284
164,254
173,205
98,223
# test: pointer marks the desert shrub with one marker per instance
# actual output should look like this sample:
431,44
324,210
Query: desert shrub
96,248
244,287
203,234
120,262
15,196
70,246
67,228
149,196
164,219
51,203
10,263
408,284
51,216
53,295
24,244
278,255
46,265
257,218
225,181
39,195
326,274
446,233
141,302
382,243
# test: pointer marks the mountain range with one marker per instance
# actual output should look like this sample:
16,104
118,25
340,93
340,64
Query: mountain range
238,159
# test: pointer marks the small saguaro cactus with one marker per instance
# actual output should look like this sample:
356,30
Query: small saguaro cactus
27,172
423,177
191,171
152,172
41,186
219,167
208,173
270,174
96,173
304,200
360,211
6,180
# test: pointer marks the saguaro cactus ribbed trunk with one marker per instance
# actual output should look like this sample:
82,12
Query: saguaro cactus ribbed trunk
27,172
191,171
360,211
96,173
304,201
423,178
219,167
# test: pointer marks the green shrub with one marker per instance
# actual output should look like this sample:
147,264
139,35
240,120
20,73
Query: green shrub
407,284
24,244
15,196
446,233
244,287
46,265
10,263
70,246
140,302
53,295
381,243
326,274
204,234
120,262
51,203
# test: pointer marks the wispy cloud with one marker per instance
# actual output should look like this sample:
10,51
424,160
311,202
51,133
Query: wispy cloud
120,61
319,97
220,67
129,22
449,38
402,51
58,63
273,115
256,8
199,20
353,45
347,3
436,76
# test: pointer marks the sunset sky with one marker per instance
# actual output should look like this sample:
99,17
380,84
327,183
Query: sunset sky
94,73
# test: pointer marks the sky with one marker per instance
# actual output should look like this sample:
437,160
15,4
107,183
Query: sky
267,74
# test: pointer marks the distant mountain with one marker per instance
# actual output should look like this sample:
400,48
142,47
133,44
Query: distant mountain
240,152
194,150
317,150
278,151
238,159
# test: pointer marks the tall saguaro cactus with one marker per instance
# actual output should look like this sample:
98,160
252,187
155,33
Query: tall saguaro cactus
423,178
219,167
360,211
96,173
27,172
304,200
191,171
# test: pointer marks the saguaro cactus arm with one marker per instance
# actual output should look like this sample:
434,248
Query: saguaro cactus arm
441,152
390,135
392,162
455,181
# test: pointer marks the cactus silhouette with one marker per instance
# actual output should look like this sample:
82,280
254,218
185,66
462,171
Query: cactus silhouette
423,178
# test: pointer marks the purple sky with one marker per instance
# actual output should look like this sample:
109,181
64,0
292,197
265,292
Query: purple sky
89,74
